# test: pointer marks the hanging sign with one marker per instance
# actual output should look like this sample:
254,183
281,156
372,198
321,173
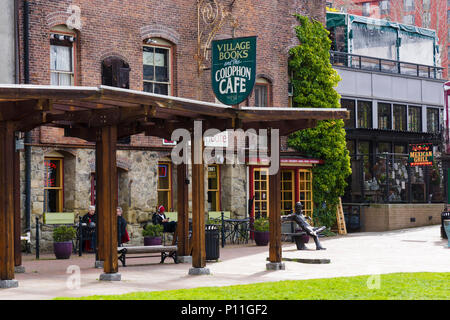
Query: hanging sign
420,154
233,69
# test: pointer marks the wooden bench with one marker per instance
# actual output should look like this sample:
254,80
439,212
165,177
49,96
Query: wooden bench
166,251
298,238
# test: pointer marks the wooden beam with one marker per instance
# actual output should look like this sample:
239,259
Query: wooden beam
99,208
17,219
7,150
107,197
275,213
198,203
183,211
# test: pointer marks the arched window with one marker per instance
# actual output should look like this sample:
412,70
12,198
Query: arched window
115,73
157,66
262,92
62,56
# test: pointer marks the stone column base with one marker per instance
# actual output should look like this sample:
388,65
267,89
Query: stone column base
19,269
184,259
275,266
198,271
99,264
110,277
6,284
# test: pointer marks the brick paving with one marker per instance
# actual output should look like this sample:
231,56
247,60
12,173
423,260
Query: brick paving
408,250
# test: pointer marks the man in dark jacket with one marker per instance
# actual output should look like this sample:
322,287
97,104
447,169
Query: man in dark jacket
160,218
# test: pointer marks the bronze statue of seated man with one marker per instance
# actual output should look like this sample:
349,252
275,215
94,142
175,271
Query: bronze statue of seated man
300,219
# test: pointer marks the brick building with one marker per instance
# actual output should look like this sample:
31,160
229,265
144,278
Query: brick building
159,47
431,14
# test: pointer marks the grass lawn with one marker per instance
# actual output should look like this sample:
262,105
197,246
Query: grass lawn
395,286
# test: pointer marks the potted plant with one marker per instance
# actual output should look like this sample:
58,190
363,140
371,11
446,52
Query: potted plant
62,241
152,234
261,227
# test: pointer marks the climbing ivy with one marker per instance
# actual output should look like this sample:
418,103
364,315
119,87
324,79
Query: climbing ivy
314,80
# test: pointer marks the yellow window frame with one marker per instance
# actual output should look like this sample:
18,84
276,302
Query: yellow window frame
284,191
60,177
261,190
169,189
305,177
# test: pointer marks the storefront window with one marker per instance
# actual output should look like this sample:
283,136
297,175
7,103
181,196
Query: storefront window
350,106
53,185
261,190
287,191
415,119
364,114
399,117
165,185
433,120
384,116
383,147
305,191
213,188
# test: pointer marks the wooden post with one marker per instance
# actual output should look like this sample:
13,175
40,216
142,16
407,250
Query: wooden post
183,214
106,191
99,208
7,150
275,212
198,203
17,220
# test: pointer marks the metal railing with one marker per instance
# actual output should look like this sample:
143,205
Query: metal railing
355,61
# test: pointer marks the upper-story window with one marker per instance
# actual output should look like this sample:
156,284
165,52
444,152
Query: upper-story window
384,116
262,93
433,120
415,119
426,19
157,65
384,6
399,113
364,114
366,9
62,62
426,4
409,19
350,106
408,5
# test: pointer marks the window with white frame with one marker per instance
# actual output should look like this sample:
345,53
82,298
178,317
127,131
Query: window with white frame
409,19
262,92
408,5
157,66
62,56
366,9
384,7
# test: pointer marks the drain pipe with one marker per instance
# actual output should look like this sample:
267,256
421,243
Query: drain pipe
27,142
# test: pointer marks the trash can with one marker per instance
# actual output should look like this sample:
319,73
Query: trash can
444,216
212,247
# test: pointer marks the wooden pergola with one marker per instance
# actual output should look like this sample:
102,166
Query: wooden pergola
105,114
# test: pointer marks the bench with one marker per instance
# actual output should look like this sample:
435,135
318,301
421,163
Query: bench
166,251
299,238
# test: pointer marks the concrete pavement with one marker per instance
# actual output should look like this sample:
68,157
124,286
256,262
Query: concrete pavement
409,250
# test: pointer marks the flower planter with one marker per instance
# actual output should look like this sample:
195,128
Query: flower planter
62,250
152,241
262,238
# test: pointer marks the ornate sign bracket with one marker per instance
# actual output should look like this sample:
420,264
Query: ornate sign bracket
211,17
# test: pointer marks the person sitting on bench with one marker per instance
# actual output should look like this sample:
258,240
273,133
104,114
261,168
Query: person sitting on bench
160,218
304,225
122,227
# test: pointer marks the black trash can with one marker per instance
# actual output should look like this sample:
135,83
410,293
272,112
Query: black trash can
444,216
212,247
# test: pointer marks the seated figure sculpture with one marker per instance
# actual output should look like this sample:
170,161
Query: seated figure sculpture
300,219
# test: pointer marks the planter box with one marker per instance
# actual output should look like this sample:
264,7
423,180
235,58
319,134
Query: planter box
62,250
262,238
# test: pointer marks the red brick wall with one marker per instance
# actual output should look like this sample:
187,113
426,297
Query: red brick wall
113,27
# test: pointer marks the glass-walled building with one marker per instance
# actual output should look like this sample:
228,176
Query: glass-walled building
392,85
